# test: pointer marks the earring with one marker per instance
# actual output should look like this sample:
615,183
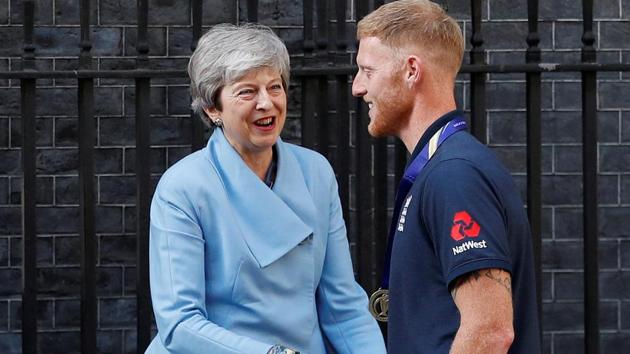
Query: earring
218,122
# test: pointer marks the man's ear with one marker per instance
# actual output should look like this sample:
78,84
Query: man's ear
212,113
413,70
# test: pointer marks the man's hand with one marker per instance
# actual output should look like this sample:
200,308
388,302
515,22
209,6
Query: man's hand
484,301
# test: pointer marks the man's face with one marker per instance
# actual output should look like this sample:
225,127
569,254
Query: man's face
380,82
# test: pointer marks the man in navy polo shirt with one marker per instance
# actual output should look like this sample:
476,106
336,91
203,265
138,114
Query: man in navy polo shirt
462,274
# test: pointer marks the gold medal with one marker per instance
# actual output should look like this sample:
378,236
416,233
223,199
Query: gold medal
379,304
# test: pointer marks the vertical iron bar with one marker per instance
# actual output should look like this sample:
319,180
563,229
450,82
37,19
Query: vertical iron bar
143,196
534,147
321,134
400,161
322,30
589,163
197,21
365,192
198,127
309,85
343,115
381,199
364,200
343,142
322,81
143,182
309,92
252,11
477,80
381,214
372,203
362,8
380,218
29,243
86,182
29,250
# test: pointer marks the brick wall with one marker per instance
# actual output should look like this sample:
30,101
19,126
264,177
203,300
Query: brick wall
114,34
560,33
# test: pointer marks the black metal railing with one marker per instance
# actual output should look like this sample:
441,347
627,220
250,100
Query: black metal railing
589,175
87,201
143,181
534,145
360,161
29,215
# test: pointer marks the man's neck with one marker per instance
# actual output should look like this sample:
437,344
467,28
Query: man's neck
422,116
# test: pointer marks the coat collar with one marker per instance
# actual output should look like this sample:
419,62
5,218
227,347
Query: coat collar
272,221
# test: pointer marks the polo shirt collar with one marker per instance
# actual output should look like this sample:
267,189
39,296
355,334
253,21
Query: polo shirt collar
433,128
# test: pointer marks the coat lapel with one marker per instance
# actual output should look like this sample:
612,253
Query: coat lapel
274,221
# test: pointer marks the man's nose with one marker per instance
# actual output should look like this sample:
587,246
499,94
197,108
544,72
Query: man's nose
358,89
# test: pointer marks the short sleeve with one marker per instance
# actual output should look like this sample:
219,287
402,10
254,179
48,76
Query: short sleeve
465,219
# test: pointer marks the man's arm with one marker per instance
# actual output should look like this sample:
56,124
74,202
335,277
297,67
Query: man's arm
484,300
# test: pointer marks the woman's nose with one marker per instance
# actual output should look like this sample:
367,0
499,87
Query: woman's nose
263,100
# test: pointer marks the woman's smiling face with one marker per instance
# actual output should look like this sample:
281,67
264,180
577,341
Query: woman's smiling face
253,110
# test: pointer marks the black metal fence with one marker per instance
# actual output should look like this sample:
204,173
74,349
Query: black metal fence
325,67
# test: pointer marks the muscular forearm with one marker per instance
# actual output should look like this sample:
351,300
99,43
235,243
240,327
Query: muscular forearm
484,301
482,341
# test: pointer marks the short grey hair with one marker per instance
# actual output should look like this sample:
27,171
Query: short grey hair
228,52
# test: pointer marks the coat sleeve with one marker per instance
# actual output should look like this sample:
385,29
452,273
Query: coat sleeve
178,282
341,303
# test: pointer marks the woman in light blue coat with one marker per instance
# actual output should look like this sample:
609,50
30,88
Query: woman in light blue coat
248,249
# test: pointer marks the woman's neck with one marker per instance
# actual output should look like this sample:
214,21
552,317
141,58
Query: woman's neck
258,162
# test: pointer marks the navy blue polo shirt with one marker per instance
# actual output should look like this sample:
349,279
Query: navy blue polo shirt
463,213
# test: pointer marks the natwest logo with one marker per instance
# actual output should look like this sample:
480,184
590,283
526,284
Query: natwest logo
464,226
468,245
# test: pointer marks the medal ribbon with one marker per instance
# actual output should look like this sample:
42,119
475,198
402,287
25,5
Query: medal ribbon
411,172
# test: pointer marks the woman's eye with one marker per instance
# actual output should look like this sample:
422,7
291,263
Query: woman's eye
246,92
275,89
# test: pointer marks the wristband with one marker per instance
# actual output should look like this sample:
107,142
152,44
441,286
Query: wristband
280,349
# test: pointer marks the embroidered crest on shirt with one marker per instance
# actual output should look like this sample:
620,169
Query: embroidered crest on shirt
403,214
464,226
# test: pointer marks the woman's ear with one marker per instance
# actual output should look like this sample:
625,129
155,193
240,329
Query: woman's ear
212,113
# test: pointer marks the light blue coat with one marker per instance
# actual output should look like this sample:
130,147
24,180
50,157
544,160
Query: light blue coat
237,267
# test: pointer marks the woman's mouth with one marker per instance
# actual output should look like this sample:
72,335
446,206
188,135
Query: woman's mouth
266,123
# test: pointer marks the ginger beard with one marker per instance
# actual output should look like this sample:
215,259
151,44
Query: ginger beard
391,108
